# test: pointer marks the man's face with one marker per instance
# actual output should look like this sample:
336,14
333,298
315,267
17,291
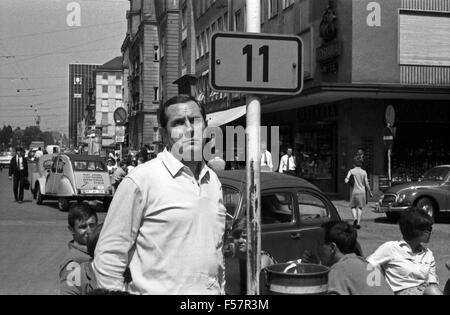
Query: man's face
289,152
263,147
185,126
82,228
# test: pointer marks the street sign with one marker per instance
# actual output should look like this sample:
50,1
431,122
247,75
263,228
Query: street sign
390,115
256,63
120,134
120,116
388,137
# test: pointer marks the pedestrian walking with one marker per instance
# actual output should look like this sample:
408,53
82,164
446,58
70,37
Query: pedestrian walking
266,159
409,265
359,185
287,164
18,172
167,220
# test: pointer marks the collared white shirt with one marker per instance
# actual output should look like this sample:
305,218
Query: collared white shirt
168,227
19,161
266,160
284,164
402,267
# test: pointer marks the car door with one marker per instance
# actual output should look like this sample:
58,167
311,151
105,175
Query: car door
50,181
313,210
279,225
446,187
58,176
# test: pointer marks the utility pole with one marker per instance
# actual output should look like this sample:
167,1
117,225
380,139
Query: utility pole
253,168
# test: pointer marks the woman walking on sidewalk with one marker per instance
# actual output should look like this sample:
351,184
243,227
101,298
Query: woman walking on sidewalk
357,177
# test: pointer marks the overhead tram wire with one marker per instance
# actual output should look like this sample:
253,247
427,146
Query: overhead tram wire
61,31
69,47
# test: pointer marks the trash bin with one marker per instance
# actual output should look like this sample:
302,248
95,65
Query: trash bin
298,279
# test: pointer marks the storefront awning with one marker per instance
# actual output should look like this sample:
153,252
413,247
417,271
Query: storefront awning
224,117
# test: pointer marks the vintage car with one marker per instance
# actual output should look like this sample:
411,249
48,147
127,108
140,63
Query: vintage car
76,177
431,193
292,212
5,159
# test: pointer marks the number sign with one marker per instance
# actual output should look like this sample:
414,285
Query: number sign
256,63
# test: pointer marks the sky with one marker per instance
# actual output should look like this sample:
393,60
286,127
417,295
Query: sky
38,41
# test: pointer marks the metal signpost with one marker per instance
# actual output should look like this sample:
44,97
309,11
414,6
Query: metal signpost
253,63
388,138
120,118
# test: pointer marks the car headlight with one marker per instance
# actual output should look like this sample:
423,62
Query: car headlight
401,198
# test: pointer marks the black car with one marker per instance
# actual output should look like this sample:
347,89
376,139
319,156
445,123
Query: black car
292,212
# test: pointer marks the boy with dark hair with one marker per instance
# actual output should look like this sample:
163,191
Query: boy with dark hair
349,274
82,221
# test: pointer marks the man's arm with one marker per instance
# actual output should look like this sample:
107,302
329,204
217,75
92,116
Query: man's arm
281,165
270,162
118,236
11,166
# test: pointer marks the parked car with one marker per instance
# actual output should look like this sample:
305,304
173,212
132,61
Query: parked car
76,177
5,159
432,194
292,212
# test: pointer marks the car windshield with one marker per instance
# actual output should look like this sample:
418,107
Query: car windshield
437,173
93,166
5,154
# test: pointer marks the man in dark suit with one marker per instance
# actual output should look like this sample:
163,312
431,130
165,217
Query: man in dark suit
19,170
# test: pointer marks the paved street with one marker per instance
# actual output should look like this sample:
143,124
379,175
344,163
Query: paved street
33,238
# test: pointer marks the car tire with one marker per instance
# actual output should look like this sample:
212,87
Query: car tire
39,198
428,206
393,216
63,204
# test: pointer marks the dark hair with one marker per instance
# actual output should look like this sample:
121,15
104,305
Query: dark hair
358,161
93,239
163,119
341,233
413,222
80,211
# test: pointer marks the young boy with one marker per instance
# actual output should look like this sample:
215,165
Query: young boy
82,221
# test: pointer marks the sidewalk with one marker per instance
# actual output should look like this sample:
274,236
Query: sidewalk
346,213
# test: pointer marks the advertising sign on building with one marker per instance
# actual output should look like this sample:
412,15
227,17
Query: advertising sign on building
120,134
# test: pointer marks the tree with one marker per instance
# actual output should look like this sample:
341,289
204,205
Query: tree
32,133
18,137
6,135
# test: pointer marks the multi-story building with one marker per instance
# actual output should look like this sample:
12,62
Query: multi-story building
108,98
359,57
80,81
141,54
168,18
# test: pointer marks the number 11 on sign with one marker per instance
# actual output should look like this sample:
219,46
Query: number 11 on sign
264,50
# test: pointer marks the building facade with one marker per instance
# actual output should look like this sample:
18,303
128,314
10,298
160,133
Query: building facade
141,55
359,57
108,98
80,81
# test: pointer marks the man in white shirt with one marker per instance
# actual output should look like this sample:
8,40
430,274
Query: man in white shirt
167,220
38,154
287,163
266,159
